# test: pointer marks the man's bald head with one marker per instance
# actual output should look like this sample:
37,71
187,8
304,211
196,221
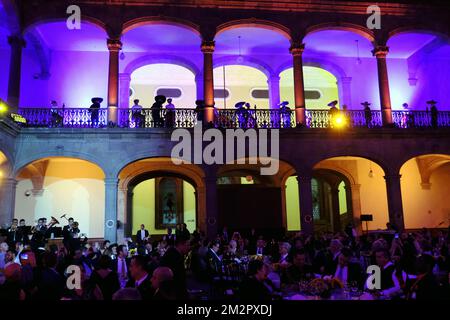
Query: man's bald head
160,275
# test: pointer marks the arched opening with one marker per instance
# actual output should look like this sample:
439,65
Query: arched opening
320,87
171,61
419,64
159,194
170,80
259,46
56,186
235,83
351,49
67,66
425,184
247,199
344,188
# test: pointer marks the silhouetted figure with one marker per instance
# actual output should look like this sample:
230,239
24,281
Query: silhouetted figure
200,110
170,114
156,110
57,119
137,116
285,113
367,114
95,110
241,114
434,114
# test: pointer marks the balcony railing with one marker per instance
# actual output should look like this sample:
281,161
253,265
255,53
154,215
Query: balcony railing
229,118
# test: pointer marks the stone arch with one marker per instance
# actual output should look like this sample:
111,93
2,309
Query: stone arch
362,31
155,59
142,21
256,23
246,61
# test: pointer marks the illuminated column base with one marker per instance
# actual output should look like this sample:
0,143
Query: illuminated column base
306,205
394,199
111,209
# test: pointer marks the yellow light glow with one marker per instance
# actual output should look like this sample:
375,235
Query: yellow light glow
339,121
3,107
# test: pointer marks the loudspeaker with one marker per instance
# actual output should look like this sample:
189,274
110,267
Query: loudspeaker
366,217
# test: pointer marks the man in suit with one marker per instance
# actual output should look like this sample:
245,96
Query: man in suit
214,261
50,284
140,278
299,270
260,248
14,235
253,287
121,266
347,272
333,256
67,233
162,284
142,236
174,259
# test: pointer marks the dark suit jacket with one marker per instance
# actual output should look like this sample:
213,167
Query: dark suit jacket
354,274
175,261
252,289
253,251
138,236
145,288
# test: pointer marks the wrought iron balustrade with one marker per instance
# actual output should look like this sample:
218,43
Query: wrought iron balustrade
229,118
65,117
148,118
251,118
421,119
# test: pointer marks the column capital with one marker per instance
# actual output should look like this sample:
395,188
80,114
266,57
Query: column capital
114,45
8,181
304,178
389,177
273,78
208,46
297,48
16,40
380,51
111,181
346,80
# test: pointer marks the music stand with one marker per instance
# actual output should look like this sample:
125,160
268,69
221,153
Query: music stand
366,218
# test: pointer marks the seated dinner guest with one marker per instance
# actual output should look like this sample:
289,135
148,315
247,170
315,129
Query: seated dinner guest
253,287
298,271
347,272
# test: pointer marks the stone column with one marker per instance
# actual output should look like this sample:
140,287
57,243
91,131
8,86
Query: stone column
111,209
212,213
17,43
336,219
394,199
122,213
208,79
7,200
380,52
114,47
346,92
274,91
299,87
199,83
306,205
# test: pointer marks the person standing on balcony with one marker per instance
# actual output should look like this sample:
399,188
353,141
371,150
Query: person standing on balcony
170,114
333,112
200,109
367,114
434,114
156,110
138,117
94,109
285,114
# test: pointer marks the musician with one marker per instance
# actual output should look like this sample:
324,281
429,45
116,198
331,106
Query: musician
67,233
142,235
74,240
25,231
14,235
39,235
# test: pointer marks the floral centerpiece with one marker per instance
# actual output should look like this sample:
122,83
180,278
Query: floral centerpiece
323,287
